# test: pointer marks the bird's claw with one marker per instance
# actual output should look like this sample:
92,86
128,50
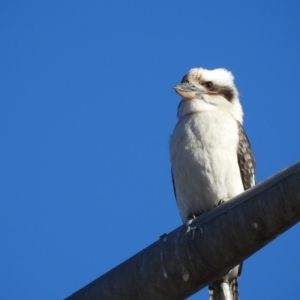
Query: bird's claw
190,228
223,200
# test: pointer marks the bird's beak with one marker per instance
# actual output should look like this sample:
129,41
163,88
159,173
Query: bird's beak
187,91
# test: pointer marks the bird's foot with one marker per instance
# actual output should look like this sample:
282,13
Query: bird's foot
223,200
191,218
190,229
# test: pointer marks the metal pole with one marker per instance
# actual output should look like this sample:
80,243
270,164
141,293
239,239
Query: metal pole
181,263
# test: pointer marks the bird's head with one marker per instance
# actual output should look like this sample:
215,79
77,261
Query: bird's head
203,90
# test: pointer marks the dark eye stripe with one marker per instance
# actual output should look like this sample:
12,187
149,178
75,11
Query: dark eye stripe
227,92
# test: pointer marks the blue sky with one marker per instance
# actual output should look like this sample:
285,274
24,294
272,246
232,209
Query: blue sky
87,109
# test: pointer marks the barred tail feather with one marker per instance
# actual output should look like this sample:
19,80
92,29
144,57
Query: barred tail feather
234,287
224,289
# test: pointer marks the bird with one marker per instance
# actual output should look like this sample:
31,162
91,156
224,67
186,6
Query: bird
211,156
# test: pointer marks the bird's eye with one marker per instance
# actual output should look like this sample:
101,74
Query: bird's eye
209,85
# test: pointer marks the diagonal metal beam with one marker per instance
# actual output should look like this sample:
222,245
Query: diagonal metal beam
181,263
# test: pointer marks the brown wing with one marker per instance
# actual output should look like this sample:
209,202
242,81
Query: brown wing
245,159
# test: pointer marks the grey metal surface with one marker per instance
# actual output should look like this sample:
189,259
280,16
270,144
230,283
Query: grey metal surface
181,263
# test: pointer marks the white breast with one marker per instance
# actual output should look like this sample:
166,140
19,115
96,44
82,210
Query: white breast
204,162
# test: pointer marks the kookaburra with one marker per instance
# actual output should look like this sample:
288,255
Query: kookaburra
211,157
